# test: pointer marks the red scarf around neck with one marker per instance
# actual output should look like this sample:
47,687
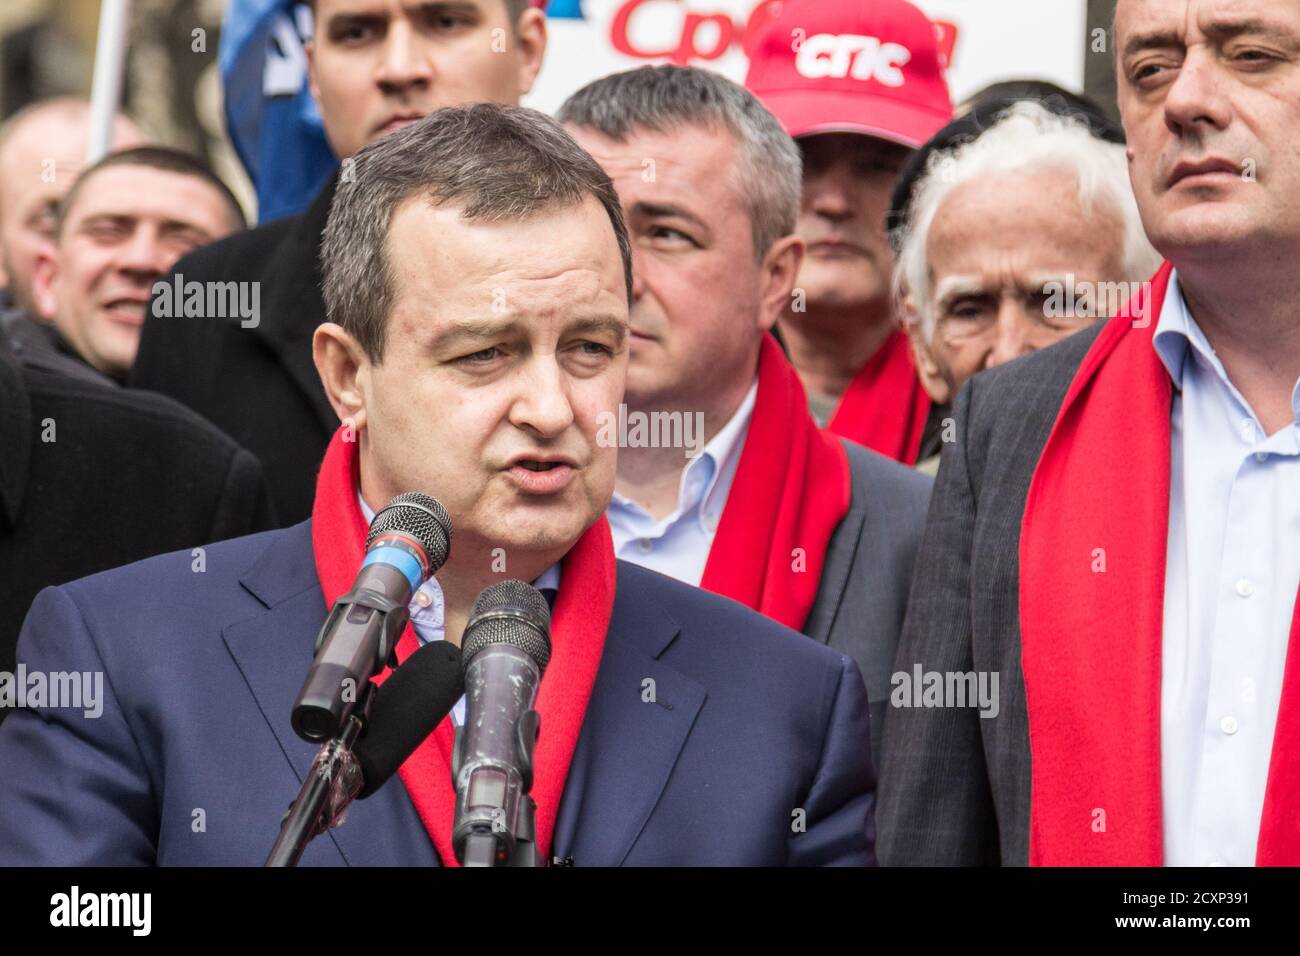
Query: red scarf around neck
885,406
578,625
790,492
1091,639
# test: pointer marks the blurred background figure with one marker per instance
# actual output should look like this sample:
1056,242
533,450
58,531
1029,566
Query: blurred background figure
861,89
42,150
95,477
125,222
1014,239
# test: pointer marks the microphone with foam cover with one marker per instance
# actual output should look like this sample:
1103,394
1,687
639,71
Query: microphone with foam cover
407,708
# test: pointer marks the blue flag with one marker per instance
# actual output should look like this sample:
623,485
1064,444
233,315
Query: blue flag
273,121
565,10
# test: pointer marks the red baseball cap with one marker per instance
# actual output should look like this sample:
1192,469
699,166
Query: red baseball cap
858,66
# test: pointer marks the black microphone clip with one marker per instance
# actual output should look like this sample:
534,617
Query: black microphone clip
395,616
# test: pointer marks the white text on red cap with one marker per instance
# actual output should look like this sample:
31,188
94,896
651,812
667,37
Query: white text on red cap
850,54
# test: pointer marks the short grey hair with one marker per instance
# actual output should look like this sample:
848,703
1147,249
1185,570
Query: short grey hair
1026,136
658,98
497,163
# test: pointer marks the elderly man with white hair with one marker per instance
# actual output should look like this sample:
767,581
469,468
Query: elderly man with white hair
1013,240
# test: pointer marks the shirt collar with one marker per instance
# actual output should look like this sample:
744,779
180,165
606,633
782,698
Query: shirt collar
724,451
1178,338
706,480
1175,332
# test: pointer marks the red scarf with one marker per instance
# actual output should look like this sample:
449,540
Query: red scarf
578,626
1091,641
885,407
790,492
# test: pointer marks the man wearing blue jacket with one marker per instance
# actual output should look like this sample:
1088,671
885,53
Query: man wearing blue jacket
477,277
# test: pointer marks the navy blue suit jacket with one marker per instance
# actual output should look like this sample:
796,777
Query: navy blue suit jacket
754,753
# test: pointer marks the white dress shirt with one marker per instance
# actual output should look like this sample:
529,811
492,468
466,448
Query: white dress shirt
679,544
1230,590
428,607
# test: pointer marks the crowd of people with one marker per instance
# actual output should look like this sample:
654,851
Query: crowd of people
972,535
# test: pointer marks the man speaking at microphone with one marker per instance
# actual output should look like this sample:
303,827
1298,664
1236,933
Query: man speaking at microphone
477,279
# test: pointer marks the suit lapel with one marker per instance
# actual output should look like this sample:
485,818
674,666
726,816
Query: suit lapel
632,735
273,651
295,306
840,553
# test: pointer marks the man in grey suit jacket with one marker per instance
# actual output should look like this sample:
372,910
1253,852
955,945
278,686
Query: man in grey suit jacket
955,785
1160,725
710,185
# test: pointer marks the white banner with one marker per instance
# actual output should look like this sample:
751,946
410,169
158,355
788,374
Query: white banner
988,40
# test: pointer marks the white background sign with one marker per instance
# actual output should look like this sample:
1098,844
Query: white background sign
996,40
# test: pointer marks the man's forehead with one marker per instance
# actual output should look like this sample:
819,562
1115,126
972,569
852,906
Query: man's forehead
49,154
31,161
1190,19
562,251
331,8
526,309
28,184
852,145
141,191
962,268
679,152
687,166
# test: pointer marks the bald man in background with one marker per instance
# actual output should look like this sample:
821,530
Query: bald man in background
42,150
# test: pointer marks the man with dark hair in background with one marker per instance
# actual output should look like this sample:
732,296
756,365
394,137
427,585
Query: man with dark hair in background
126,220
374,66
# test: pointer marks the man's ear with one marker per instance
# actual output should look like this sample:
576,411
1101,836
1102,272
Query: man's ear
45,276
780,272
344,370
530,35
309,49
927,367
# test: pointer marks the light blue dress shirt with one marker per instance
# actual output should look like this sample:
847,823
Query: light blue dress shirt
678,545
428,607
1230,589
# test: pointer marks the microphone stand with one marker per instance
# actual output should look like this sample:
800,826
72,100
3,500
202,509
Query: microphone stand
331,785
